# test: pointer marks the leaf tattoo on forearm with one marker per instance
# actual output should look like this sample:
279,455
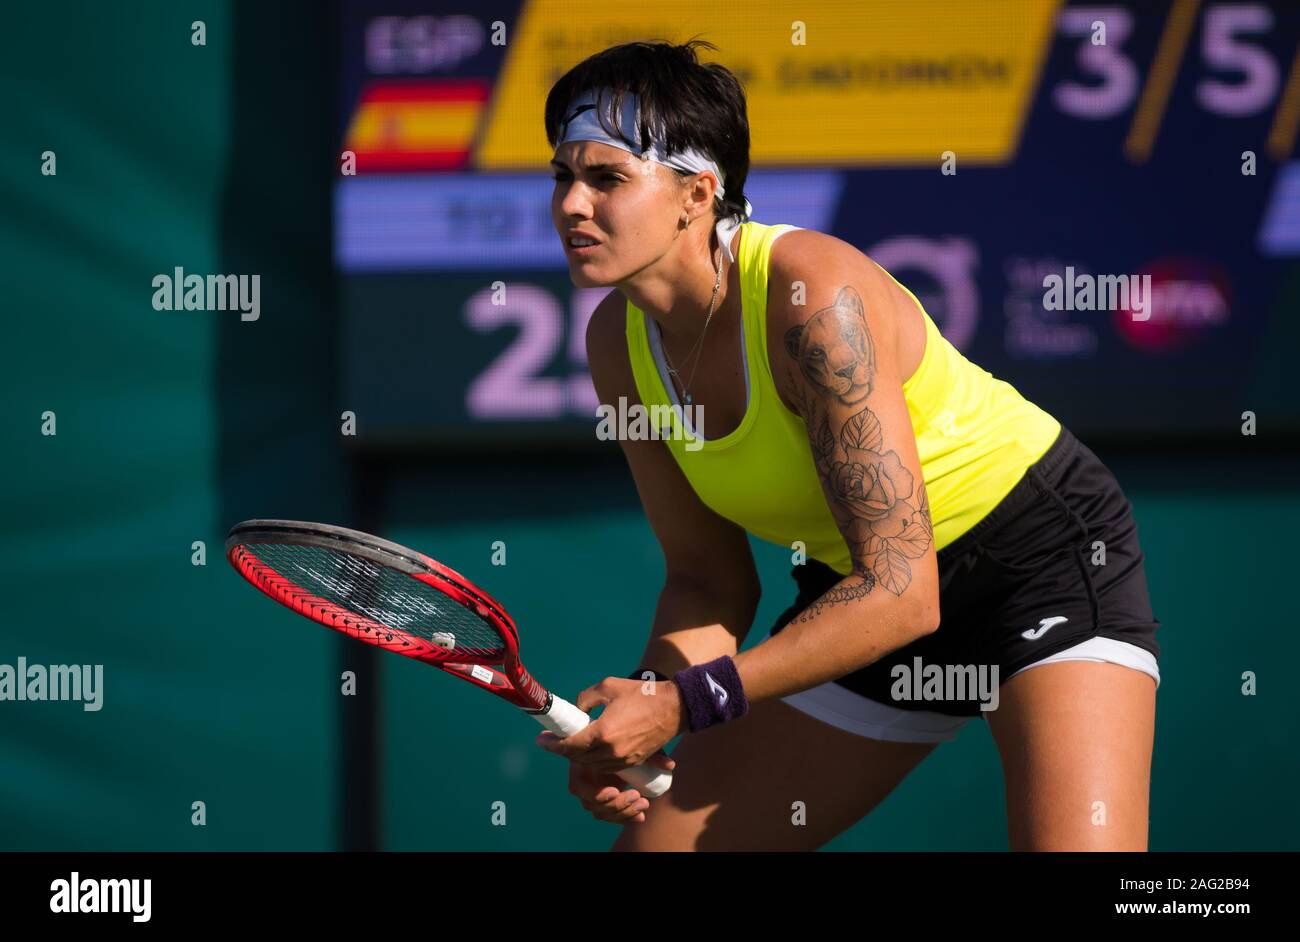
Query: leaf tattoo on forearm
840,594
882,510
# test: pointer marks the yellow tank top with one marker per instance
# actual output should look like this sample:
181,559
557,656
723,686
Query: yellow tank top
975,435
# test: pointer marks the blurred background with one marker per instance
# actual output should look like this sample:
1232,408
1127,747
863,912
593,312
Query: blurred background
214,137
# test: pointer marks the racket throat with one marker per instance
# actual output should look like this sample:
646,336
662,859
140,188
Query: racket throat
541,710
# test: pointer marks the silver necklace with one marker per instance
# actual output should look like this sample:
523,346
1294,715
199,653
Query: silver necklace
686,387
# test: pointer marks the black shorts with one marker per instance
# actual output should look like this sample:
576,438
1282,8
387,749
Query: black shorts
1055,563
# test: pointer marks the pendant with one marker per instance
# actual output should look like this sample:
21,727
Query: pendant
689,399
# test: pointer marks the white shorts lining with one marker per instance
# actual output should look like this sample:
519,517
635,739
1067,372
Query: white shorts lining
854,713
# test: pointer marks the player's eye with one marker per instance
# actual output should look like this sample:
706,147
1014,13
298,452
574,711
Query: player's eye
605,177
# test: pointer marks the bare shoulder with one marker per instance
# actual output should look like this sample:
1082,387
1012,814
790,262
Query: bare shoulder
607,321
804,245
830,307
607,348
819,263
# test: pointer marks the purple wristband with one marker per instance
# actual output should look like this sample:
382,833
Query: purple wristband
711,693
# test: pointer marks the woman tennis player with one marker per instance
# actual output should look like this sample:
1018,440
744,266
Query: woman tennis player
966,556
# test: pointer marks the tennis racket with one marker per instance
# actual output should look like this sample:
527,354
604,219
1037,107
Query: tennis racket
402,601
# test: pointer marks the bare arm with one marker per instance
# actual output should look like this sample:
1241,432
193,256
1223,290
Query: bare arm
711,588
835,359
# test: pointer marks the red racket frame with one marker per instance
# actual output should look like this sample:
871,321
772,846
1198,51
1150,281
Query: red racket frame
511,682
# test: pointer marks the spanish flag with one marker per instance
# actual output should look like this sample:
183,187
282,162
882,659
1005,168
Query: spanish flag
416,126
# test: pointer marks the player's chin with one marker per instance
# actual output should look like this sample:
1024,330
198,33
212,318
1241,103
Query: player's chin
585,275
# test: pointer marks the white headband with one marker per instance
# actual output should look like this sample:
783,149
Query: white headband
582,123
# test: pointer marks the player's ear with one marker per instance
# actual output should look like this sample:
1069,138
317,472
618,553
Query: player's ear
792,338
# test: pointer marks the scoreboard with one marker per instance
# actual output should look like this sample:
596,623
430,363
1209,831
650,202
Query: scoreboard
981,152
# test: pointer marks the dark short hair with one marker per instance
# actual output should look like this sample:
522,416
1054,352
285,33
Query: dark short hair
699,105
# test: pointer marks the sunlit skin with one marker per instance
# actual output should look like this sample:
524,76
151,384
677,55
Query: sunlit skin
634,208
1074,737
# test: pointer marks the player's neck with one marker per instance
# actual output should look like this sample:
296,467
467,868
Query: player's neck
677,296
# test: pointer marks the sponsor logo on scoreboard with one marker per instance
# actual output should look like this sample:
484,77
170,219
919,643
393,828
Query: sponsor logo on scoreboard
1035,329
822,87
1190,301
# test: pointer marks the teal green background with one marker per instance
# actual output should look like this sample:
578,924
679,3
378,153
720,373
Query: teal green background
173,425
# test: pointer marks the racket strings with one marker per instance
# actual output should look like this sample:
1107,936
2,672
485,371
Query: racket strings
391,598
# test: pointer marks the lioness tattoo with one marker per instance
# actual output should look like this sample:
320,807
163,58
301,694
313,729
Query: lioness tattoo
834,349
882,510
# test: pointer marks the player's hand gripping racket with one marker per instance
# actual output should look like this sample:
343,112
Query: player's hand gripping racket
403,601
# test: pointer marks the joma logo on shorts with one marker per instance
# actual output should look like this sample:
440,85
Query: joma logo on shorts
1044,626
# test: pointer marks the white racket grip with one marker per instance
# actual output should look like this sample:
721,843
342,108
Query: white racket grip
564,719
